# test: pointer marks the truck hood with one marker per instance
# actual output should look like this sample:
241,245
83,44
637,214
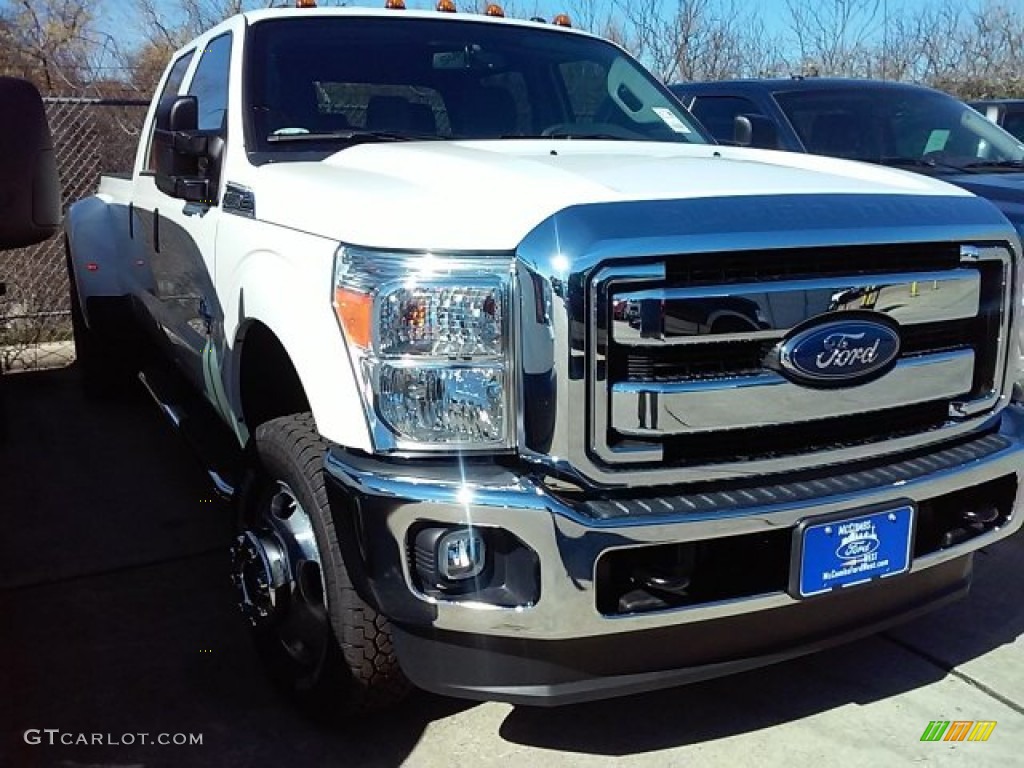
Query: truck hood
487,195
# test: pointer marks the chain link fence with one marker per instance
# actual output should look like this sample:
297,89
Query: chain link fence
91,137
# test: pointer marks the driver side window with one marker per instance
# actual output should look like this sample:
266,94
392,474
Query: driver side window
210,83
171,86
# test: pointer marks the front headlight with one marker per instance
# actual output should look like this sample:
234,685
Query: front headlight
429,339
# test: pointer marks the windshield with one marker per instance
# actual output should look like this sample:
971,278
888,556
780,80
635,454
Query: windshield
331,80
898,127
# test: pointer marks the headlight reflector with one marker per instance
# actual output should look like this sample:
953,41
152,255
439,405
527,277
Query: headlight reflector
442,404
442,320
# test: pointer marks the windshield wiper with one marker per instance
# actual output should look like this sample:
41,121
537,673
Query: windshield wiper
1008,164
585,135
921,162
351,137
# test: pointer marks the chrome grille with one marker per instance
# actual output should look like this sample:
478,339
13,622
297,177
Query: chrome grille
678,350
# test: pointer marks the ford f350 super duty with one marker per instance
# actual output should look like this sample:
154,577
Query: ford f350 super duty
543,397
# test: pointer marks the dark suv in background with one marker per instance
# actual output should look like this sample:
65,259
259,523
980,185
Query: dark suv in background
894,124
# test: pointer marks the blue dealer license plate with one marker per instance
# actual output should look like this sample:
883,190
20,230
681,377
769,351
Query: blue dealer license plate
849,551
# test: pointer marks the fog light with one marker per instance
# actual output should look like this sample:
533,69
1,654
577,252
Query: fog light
478,563
450,559
461,555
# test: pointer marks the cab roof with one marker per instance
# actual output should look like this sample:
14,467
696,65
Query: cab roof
266,14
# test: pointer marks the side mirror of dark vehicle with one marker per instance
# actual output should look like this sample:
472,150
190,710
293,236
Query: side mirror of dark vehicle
755,131
29,186
184,156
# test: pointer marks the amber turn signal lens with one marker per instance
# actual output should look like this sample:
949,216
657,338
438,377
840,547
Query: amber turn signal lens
355,313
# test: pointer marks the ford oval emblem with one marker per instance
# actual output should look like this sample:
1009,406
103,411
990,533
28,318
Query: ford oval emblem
858,546
837,351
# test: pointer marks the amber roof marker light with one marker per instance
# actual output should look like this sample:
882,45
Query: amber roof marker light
446,6
495,10
305,3
562,20
394,5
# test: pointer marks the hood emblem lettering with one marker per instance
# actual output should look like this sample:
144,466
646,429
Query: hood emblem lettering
833,351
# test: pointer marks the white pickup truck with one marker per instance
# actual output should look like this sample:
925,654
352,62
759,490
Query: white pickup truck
542,396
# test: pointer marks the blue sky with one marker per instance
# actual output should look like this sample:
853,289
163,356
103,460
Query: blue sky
118,20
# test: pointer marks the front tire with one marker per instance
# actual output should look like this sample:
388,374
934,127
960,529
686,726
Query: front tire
327,648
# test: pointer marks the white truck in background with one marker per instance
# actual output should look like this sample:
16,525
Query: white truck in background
392,252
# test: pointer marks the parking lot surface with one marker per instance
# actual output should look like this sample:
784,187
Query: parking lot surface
117,619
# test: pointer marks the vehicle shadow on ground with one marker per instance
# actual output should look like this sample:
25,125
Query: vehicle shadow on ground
118,614
901,660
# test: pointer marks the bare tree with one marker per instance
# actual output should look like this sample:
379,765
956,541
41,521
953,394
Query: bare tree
834,36
51,42
694,39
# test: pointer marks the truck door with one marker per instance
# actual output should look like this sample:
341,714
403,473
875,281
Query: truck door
145,204
183,299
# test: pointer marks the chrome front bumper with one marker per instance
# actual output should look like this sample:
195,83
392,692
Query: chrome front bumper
376,504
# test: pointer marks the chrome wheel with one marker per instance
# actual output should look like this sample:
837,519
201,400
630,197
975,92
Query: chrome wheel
278,572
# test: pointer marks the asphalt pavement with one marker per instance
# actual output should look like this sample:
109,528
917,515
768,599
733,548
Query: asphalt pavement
117,619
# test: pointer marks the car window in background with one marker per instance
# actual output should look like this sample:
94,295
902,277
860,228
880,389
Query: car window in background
718,114
894,126
1013,123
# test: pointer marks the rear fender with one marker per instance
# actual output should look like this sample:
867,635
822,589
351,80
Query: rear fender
105,250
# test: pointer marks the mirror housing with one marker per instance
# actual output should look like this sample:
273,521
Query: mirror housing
755,131
29,185
183,155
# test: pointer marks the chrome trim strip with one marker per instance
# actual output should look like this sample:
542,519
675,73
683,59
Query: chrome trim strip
647,409
690,315
600,401
999,395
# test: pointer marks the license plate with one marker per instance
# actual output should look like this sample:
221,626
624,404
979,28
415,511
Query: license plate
854,550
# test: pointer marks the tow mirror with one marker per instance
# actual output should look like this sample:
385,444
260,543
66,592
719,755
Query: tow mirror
29,186
183,153
755,131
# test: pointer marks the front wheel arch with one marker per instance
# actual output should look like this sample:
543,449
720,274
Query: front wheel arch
269,385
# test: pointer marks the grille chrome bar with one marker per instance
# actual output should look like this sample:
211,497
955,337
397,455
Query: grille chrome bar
647,409
766,310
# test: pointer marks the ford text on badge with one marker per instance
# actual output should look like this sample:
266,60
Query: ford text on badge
840,352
